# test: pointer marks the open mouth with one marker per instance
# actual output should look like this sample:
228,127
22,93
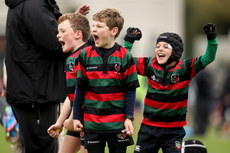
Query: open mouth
62,43
96,38
161,55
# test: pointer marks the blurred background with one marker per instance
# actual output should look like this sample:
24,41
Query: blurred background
209,95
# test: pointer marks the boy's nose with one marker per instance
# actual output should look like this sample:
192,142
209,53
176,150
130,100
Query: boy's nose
58,35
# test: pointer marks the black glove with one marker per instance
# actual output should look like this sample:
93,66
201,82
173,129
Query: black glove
210,30
133,34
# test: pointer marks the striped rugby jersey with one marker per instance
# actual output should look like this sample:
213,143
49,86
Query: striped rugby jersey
167,93
71,73
105,76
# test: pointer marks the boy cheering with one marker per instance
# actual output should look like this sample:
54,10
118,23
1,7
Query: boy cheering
73,33
106,88
166,100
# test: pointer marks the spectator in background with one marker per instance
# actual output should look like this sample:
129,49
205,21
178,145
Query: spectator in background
225,103
203,102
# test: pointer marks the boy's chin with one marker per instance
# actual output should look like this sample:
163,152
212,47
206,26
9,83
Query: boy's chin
161,62
67,50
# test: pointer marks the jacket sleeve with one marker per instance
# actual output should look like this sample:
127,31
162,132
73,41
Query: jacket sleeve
40,19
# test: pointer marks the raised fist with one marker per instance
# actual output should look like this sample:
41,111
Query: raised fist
210,30
133,34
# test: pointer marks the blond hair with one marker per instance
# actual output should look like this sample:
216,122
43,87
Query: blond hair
77,22
111,17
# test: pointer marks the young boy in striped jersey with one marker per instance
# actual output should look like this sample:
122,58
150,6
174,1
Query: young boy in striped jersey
167,95
73,34
106,87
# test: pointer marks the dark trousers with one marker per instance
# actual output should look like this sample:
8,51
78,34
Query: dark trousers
33,124
117,142
151,139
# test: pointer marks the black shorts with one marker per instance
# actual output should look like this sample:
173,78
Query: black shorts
98,140
77,134
151,139
74,134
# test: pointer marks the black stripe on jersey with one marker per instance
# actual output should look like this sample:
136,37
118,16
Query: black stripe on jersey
146,62
165,81
71,90
155,118
132,85
102,112
99,67
80,59
106,89
128,65
76,62
166,98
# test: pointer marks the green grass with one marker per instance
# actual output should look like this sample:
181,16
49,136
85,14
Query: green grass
4,145
215,142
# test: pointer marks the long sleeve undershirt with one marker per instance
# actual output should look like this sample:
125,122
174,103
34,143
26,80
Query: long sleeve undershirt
78,103
210,54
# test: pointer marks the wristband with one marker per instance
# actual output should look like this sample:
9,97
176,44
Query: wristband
129,117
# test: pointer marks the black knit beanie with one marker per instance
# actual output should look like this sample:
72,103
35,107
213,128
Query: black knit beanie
176,42
193,146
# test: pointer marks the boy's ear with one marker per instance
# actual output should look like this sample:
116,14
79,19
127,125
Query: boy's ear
78,34
114,31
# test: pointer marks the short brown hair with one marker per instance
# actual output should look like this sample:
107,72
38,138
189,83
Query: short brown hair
111,17
77,22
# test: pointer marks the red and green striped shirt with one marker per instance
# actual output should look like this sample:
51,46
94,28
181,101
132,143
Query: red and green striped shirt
105,76
167,94
71,73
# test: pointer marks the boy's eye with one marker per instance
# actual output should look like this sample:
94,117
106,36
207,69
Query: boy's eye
99,26
163,46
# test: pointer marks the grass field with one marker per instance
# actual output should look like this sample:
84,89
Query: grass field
4,145
215,142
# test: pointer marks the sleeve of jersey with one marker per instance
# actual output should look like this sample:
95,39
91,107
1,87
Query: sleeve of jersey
80,68
130,80
128,45
141,65
210,54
